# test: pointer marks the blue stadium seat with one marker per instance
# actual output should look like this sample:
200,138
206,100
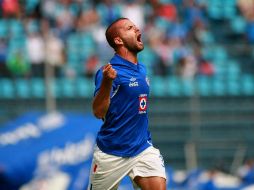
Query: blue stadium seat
33,26
229,12
73,58
233,87
238,25
218,9
17,43
157,86
57,87
23,88
16,28
204,86
219,53
233,77
85,87
38,88
88,47
7,88
247,84
221,70
233,70
214,11
218,87
3,28
30,5
206,52
207,38
188,87
148,58
174,86
162,23
67,87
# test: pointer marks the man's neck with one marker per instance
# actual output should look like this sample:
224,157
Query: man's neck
129,56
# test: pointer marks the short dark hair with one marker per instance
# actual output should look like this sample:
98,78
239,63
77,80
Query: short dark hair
109,36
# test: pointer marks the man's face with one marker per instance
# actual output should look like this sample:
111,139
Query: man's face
130,35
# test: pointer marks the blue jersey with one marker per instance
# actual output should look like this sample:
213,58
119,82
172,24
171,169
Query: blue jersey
125,132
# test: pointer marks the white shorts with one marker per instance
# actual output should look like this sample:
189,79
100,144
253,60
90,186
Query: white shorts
107,170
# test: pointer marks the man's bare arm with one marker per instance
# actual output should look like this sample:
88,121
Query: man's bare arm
102,99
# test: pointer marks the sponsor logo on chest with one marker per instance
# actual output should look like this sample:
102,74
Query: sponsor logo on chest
133,82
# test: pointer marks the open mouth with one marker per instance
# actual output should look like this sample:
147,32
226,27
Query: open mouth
139,39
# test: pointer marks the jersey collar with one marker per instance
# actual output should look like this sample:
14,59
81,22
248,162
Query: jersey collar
117,59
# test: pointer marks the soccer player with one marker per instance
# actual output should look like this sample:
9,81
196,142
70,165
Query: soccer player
123,144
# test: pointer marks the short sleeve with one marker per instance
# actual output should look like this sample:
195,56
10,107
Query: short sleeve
98,81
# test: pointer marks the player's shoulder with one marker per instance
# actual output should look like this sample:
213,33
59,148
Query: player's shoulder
141,64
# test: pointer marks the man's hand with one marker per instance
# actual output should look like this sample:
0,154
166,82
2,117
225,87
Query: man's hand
108,72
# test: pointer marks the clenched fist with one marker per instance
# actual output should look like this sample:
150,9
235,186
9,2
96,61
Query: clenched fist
108,72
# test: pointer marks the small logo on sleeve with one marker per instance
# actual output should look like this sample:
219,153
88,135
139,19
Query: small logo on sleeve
142,103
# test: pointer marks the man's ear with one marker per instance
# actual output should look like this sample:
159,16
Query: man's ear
118,41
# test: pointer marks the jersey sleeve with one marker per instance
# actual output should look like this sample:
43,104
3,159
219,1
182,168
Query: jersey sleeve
98,81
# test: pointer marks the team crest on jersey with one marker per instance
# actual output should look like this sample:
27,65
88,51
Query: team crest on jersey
142,103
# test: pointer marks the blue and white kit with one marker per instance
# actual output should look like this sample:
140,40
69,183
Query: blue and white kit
124,143
125,132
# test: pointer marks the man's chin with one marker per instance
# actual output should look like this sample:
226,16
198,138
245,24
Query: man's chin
136,49
140,48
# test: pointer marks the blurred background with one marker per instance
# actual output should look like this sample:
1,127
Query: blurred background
200,60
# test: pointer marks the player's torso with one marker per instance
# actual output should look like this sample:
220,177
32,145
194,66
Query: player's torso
125,130
131,87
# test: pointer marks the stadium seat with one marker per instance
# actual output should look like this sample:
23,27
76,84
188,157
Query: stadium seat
247,84
233,70
214,11
7,88
218,86
229,12
218,9
31,5
38,88
17,43
238,25
148,58
157,86
203,86
57,87
16,28
206,52
67,87
162,23
174,86
88,46
207,38
188,87
73,58
85,87
233,87
23,88
219,53
3,28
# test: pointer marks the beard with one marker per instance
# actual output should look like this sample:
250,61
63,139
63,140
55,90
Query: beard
134,46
